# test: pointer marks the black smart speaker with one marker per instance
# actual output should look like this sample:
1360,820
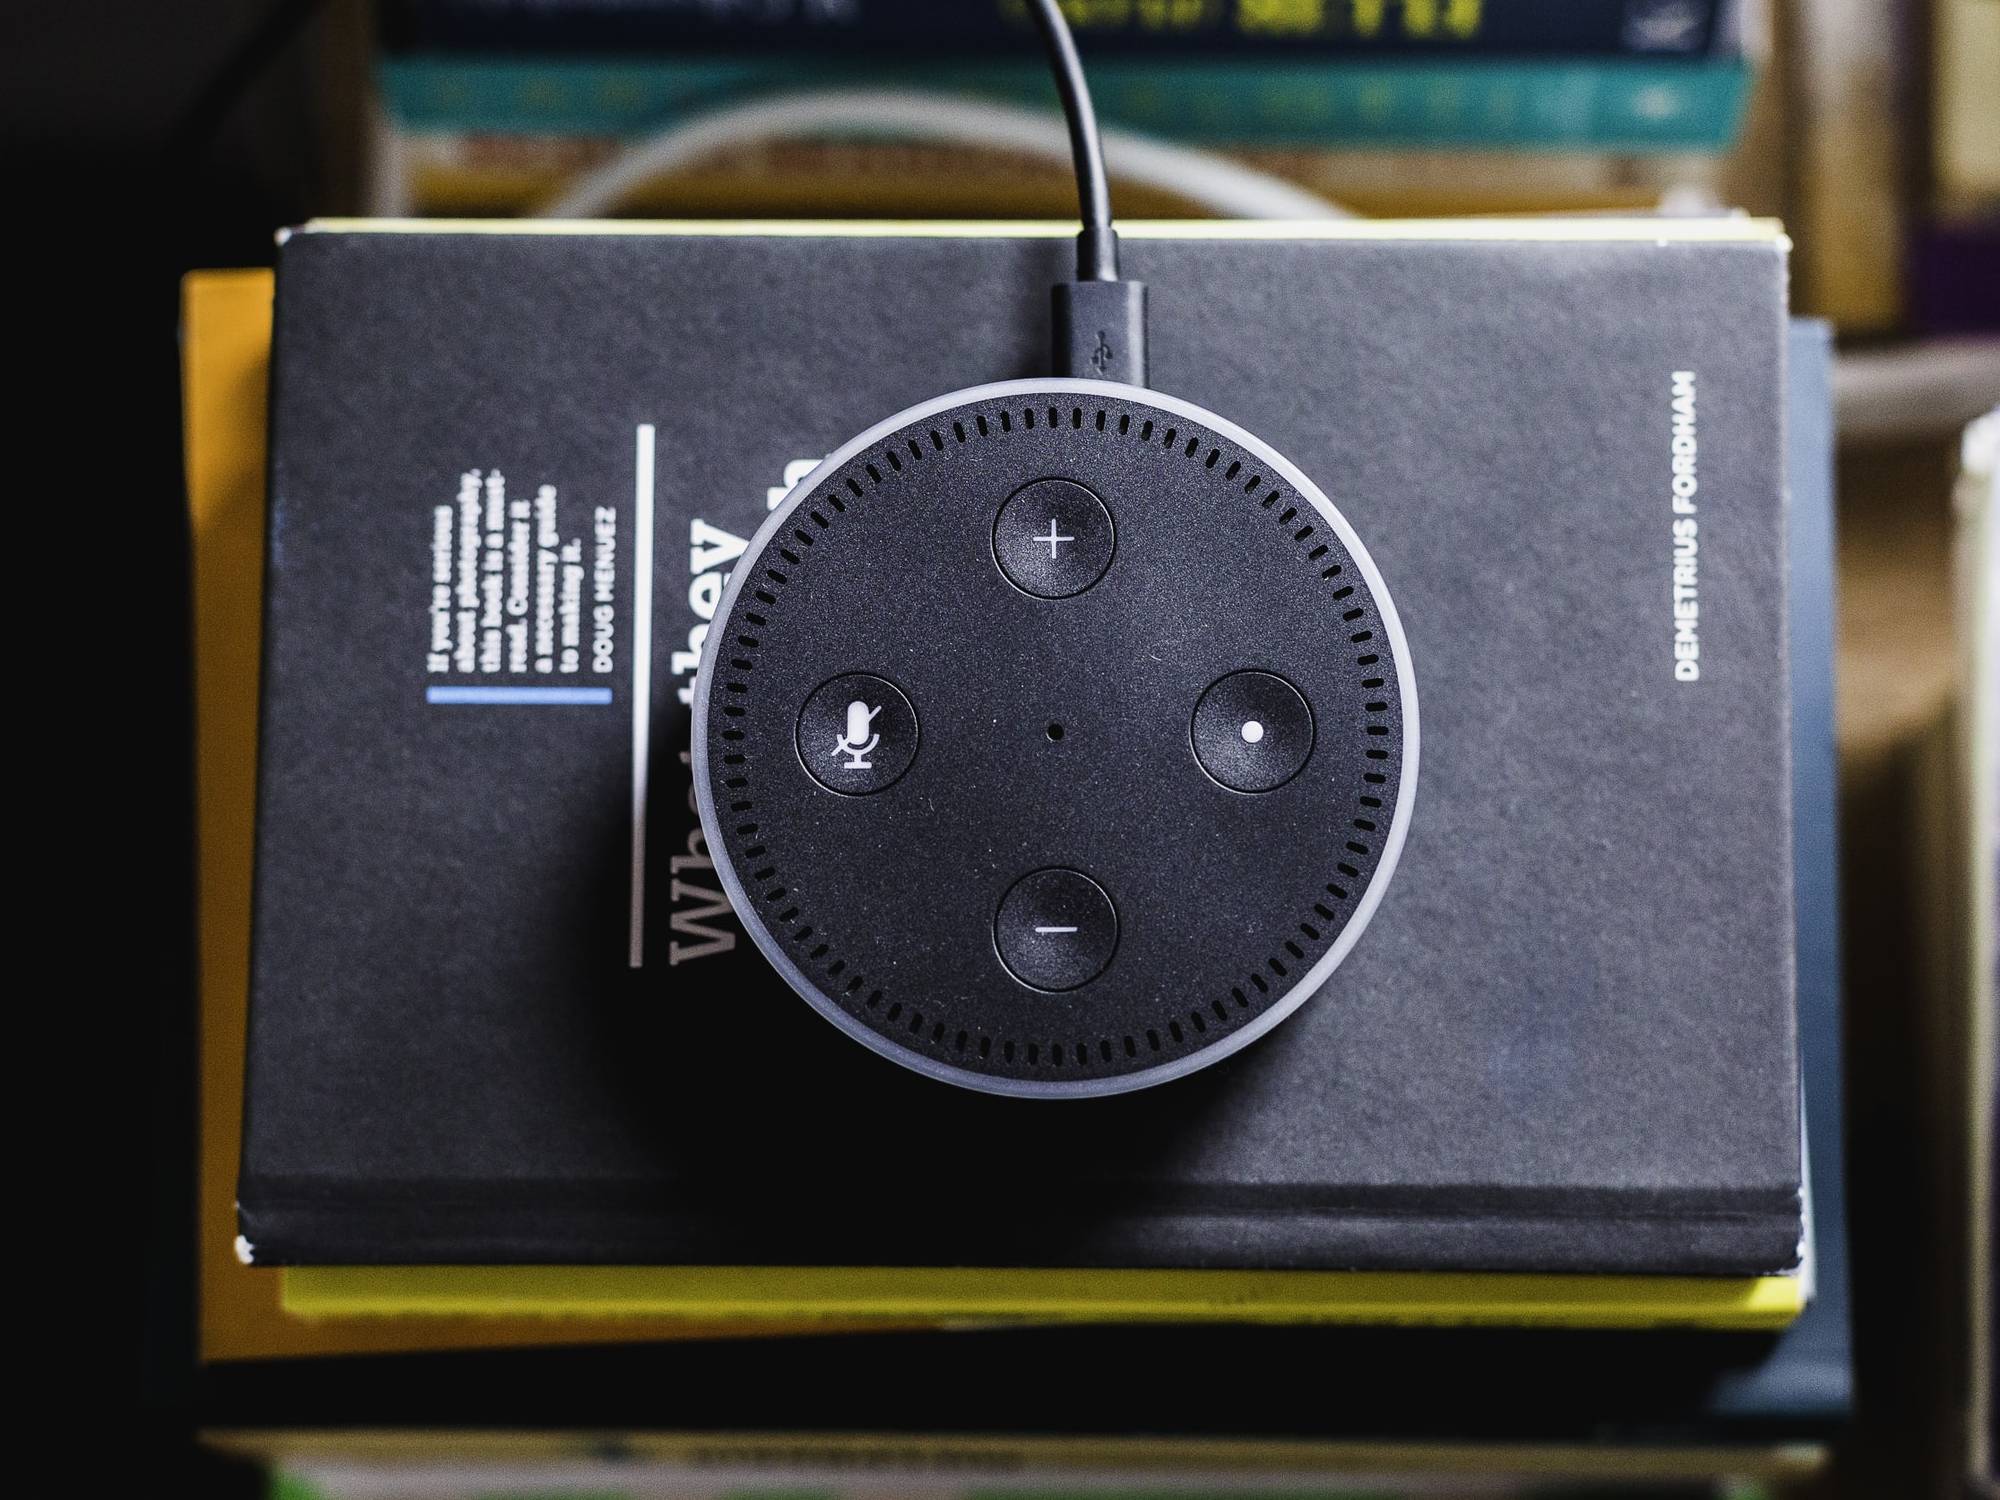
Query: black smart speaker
1055,737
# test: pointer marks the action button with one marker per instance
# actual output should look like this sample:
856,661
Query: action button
1252,731
1055,930
1053,538
857,734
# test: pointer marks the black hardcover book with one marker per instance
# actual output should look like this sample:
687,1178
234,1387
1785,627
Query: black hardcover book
1566,1043
1571,28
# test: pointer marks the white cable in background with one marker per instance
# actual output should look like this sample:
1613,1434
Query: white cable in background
387,192
1222,186
1913,392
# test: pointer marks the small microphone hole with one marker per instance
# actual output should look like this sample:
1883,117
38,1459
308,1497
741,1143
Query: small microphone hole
1055,731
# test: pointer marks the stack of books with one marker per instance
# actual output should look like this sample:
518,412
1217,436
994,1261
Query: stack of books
1392,106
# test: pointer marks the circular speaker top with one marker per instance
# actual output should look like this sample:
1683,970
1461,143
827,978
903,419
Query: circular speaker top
1055,737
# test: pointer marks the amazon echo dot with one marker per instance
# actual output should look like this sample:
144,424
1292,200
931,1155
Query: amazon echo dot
1055,737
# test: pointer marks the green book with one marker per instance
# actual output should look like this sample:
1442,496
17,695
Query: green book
1616,104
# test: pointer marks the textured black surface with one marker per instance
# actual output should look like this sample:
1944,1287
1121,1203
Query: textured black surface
884,906
1566,1041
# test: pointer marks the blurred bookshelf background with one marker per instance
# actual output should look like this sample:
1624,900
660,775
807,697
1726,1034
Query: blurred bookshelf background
1866,126
1871,128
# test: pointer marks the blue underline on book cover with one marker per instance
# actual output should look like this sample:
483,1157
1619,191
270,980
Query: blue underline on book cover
545,695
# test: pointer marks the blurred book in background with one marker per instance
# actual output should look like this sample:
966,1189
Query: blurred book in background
1954,262
1616,103
489,173
1106,28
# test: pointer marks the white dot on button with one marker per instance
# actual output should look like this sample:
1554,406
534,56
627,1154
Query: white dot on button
1252,731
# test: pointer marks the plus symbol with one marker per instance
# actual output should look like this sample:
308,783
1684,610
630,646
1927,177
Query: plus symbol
1052,538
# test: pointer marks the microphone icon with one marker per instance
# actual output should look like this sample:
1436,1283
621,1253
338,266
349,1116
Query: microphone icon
860,726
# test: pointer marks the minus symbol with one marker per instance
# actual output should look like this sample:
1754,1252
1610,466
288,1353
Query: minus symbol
1055,929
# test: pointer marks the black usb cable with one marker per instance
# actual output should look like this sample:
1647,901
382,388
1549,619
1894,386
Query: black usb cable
1099,320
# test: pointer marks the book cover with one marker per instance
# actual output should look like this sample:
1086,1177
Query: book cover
1568,1045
